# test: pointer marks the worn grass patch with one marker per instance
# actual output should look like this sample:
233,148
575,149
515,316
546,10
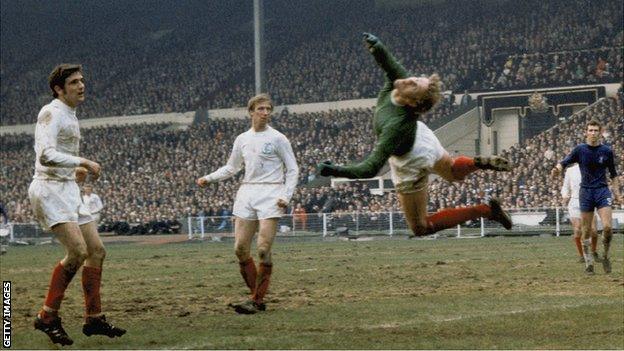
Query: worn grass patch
503,293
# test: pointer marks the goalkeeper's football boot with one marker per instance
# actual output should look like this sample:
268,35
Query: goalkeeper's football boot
99,326
54,330
499,215
495,163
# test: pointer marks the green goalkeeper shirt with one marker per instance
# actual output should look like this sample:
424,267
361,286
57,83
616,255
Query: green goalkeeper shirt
395,126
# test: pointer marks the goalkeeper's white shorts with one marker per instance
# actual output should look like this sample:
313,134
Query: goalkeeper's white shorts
410,172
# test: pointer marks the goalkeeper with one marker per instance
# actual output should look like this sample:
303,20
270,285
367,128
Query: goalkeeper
413,151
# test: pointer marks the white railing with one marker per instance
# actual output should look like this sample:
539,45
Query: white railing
528,221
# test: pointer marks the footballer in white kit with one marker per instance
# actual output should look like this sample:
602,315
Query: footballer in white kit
266,155
570,189
57,205
570,193
93,202
54,194
270,179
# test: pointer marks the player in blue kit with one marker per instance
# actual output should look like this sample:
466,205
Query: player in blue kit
594,159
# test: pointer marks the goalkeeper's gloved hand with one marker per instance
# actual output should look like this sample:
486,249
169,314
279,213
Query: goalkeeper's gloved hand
370,40
327,169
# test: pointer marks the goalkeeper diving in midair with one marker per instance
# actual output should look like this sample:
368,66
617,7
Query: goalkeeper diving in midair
413,151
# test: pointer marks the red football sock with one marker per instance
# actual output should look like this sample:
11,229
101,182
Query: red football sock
264,277
248,271
58,284
47,316
450,217
91,281
462,166
579,245
594,242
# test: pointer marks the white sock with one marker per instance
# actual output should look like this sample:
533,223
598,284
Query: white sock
589,259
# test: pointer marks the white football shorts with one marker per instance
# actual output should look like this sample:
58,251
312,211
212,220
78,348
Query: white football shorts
258,201
54,202
574,208
410,172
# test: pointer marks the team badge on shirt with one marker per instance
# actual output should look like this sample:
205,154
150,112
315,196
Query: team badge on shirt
267,148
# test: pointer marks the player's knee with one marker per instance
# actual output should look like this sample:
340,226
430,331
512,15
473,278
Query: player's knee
76,256
264,254
99,253
607,230
242,252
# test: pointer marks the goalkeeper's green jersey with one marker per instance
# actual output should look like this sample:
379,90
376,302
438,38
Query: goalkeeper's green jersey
395,126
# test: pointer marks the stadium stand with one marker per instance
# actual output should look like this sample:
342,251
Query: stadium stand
164,65
138,159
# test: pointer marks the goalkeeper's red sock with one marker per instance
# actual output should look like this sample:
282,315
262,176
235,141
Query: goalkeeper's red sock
462,166
450,217
248,271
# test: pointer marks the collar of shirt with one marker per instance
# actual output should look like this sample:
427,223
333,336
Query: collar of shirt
60,104
266,130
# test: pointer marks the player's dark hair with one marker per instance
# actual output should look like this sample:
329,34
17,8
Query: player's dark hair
593,122
60,73
260,98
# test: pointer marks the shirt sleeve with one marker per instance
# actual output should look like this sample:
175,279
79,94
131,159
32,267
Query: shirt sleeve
292,169
372,164
233,165
46,134
98,203
393,69
566,189
571,158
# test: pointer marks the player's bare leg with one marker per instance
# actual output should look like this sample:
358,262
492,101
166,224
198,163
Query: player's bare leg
586,219
244,231
576,229
605,214
47,320
266,236
415,209
593,236
95,321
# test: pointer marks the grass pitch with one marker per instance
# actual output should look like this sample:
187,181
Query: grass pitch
527,293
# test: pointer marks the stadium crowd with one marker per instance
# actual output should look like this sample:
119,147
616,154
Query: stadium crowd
169,65
148,175
559,69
